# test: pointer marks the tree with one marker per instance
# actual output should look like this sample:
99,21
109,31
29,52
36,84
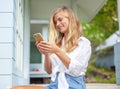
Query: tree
103,25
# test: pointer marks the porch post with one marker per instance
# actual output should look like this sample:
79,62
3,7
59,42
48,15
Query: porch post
119,17
26,49
117,51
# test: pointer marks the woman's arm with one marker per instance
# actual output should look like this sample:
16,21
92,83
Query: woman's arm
47,64
63,57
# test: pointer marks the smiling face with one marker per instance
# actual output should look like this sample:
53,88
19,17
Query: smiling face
61,22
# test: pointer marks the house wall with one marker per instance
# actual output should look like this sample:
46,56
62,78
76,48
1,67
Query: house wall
106,61
6,43
10,75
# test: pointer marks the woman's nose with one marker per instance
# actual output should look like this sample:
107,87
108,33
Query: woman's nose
58,23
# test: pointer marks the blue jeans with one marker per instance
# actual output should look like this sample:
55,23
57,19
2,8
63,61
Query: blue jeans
73,82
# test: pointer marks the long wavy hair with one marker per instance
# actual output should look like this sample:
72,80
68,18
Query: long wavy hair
74,30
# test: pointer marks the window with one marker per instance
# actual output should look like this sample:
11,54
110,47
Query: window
35,55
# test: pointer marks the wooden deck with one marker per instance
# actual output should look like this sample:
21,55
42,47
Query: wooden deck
96,86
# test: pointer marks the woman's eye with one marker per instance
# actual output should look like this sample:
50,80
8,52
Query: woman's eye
55,23
60,19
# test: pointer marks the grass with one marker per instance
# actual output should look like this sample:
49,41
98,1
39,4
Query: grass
96,74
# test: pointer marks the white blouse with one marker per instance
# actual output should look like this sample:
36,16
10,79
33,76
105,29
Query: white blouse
79,61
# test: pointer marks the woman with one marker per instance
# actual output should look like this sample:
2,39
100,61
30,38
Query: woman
66,54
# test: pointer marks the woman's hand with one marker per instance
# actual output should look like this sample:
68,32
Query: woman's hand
46,47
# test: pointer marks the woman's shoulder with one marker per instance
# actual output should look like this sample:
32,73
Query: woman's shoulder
84,39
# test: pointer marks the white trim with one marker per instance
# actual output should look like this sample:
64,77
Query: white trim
39,21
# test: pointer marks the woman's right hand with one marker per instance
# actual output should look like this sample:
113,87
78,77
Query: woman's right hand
47,65
38,47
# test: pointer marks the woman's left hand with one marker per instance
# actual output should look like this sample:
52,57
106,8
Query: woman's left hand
47,47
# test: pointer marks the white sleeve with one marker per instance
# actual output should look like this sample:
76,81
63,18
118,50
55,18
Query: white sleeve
80,58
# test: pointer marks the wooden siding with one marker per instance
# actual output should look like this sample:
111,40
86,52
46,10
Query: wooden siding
3,83
6,43
8,38
10,75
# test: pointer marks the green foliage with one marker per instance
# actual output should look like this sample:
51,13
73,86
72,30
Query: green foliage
103,25
106,19
100,80
93,33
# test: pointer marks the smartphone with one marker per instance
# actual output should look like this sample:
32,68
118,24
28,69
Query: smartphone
38,37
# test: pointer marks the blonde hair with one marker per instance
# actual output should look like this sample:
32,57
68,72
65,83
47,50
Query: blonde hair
74,30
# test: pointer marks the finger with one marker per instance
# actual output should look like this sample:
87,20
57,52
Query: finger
36,42
45,45
44,42
44,51
43,48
